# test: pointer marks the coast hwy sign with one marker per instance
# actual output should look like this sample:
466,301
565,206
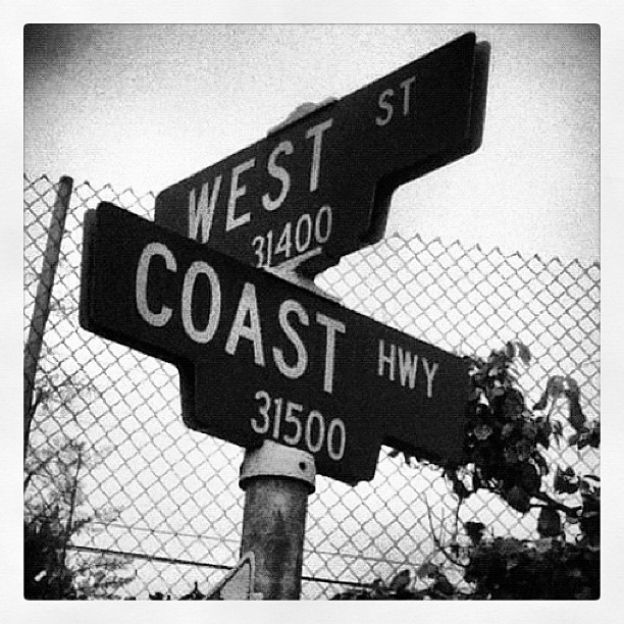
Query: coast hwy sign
319,188
261,358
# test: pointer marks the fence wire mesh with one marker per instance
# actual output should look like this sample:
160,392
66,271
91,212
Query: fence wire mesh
149,506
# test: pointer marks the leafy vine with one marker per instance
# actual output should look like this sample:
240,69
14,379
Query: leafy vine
504,453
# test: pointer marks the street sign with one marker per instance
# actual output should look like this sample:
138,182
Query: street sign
238,583
319,188
261,358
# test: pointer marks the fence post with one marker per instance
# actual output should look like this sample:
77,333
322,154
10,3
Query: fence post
277,481
41,310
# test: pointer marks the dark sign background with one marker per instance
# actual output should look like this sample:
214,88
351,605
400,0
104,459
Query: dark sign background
218,388
362,162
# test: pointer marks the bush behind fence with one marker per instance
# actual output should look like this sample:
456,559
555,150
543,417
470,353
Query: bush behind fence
164,502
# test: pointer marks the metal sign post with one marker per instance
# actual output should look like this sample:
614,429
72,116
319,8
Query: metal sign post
277,481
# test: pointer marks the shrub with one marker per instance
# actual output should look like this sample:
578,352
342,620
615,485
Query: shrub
504,453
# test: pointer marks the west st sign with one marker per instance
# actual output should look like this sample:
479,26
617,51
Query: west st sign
261,358
319,187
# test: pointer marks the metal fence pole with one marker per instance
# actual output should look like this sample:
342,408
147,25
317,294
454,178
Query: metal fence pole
277,481
41,310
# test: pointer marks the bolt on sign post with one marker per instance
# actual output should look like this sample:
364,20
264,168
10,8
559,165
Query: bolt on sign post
302,383
319,188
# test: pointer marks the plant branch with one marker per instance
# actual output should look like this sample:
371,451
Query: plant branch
551,502
552,407
438,543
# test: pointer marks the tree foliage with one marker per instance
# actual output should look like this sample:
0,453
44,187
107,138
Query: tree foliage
505,453
54,515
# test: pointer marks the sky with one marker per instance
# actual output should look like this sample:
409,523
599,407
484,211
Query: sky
144,106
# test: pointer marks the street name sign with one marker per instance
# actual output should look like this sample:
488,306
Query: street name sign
319,188
261,358
238,583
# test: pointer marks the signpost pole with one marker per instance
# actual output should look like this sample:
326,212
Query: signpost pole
277,481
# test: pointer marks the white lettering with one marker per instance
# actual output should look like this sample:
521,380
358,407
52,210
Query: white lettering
317,133
201,268
295,371
386,359
315,447
156,319
202,213
248,304
336,425
280,173
332,326
406,86
430,373
236,192
407,368
382,103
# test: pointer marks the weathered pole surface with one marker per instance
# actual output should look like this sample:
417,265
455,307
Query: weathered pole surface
277,481
41,309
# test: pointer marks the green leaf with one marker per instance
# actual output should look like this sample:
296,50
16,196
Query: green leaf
460,489
476,482
427,570
530,479
510,455
474,530
549,523
529,430
541,463
576,417
565,481
544,429
510,350
401,580
557,429
555,386
443,585
494,371
524,449
524,353
543,402
594,434
518,498
509,546
572,385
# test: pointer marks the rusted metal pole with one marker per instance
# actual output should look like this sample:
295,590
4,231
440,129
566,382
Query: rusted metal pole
41,310
277,481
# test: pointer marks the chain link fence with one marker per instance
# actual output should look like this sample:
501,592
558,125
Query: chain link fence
159,506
